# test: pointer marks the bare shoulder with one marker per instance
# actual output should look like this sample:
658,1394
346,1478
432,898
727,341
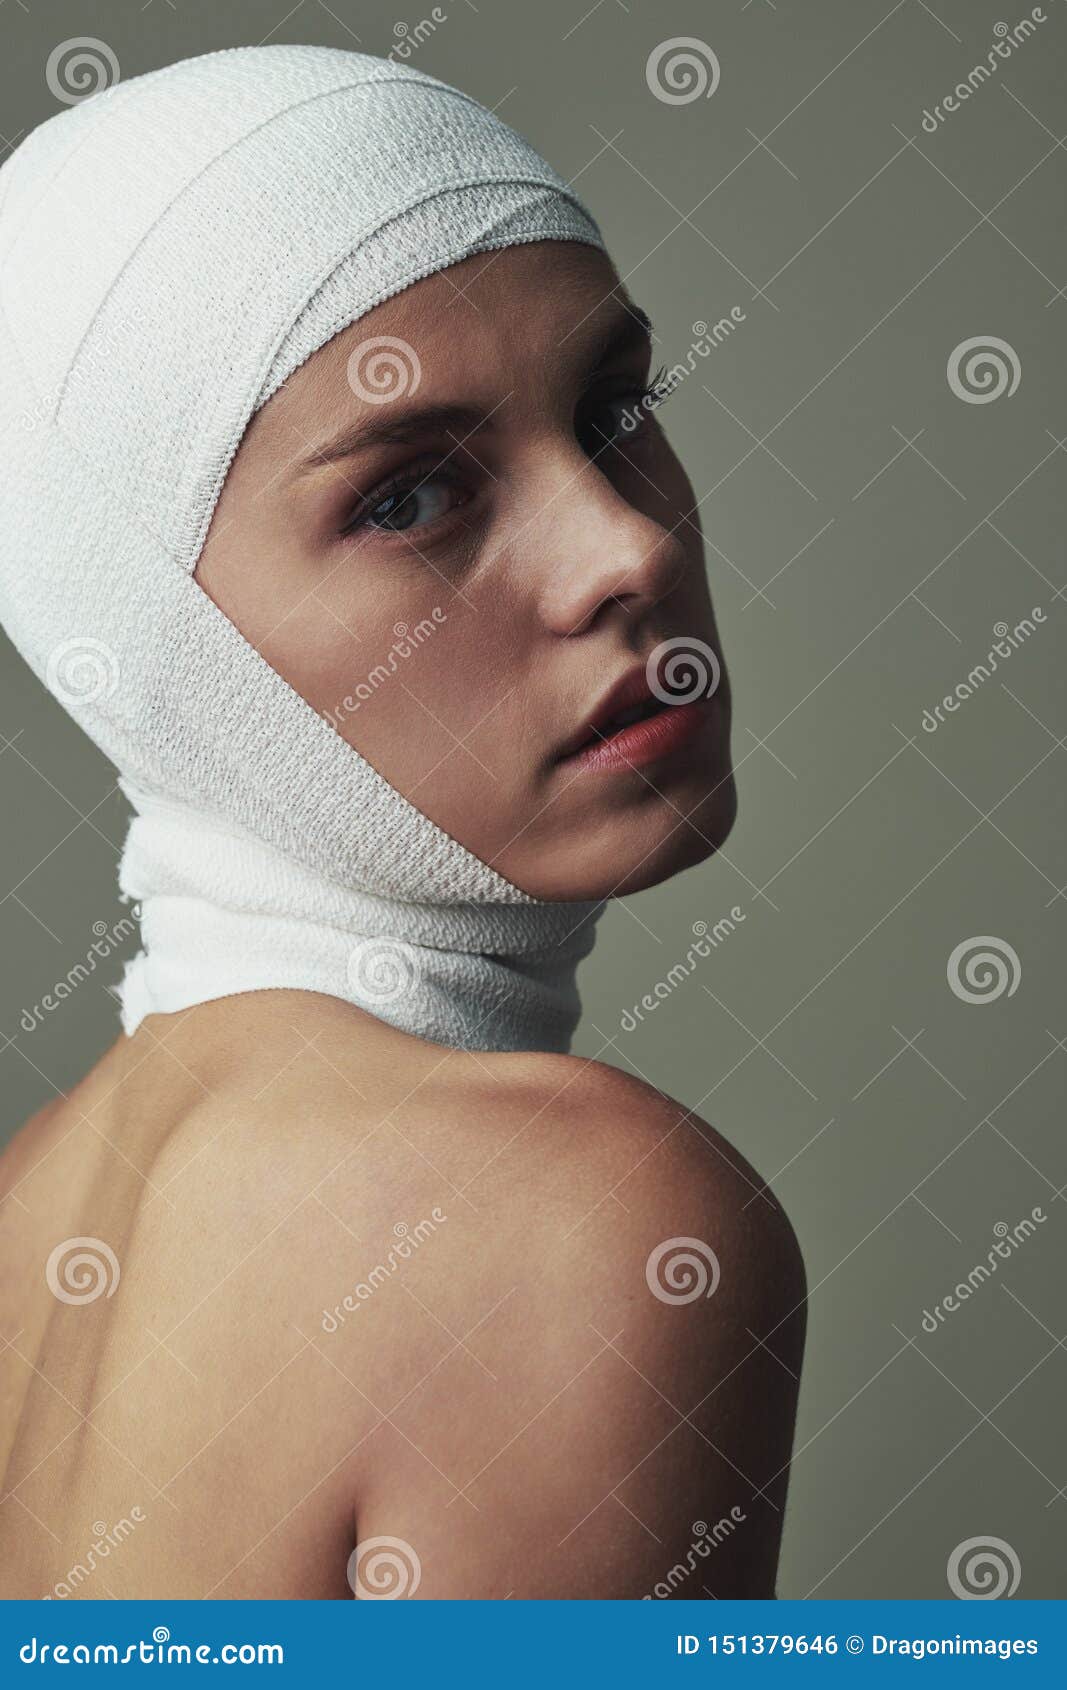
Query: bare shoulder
524,1314
327,1130
653,1158
314,1080
601,1341
588,1164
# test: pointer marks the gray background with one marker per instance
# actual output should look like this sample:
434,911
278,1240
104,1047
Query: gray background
867,528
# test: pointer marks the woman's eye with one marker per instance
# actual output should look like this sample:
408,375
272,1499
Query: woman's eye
408,507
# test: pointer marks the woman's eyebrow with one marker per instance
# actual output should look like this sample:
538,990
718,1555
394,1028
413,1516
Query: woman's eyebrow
413,422
396,428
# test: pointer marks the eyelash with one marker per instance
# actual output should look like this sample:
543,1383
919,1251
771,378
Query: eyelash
641,401
416,475
656,390
648,397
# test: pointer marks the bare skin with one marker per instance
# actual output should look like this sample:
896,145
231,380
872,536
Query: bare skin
370,1287
511,1401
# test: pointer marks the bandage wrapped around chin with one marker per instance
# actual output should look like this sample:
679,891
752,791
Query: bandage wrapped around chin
171,250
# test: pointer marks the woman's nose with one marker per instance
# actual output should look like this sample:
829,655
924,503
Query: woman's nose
600,549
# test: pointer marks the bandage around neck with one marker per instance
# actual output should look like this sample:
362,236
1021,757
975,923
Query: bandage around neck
171,250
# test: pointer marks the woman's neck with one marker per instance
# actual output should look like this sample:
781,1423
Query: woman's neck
221,912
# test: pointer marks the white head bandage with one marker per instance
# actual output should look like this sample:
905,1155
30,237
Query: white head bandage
170,251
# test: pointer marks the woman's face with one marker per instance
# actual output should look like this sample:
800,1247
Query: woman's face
457,545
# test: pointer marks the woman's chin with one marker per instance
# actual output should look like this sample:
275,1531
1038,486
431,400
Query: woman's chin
634,852
690,834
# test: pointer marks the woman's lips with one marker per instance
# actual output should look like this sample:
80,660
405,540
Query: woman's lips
644,741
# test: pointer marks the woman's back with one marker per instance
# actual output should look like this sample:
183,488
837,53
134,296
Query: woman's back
276,1276
151,1231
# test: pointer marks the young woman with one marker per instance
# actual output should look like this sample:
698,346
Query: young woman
336,511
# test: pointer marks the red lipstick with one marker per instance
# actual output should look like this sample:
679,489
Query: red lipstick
672,726
631,726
